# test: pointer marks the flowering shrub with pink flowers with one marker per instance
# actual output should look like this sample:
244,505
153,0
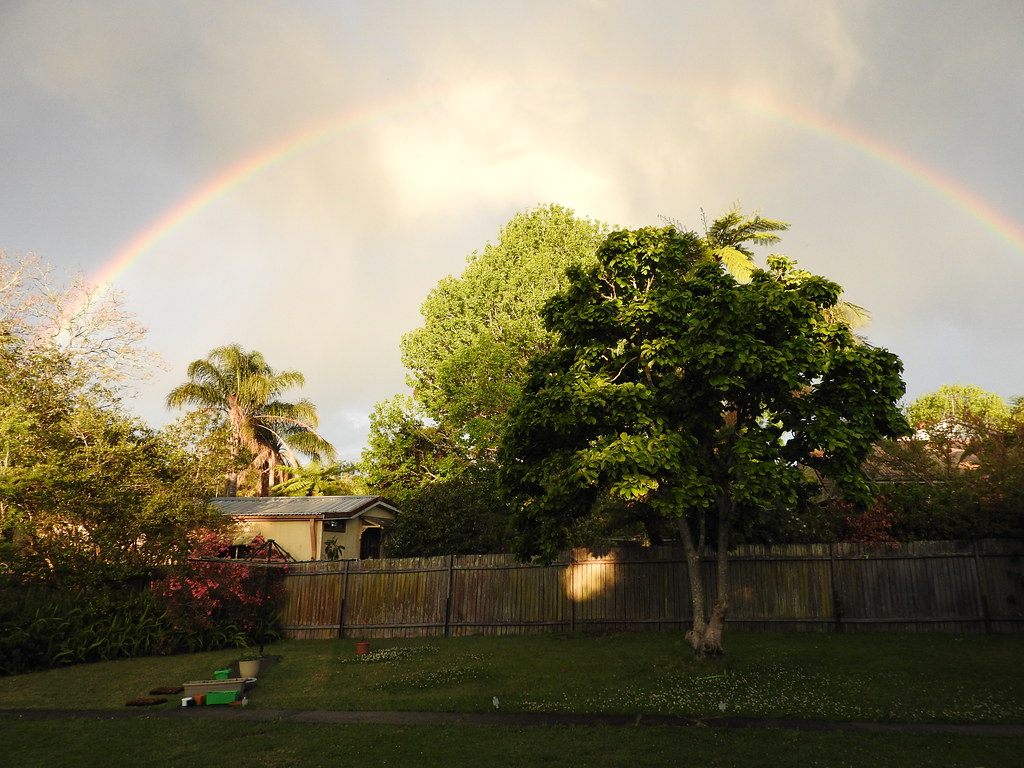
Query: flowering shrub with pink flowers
214,602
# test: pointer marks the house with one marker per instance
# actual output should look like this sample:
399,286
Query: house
314,527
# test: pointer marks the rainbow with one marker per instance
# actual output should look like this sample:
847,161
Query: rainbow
280,151
958,194
217,187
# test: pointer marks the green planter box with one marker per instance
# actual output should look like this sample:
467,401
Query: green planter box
221,697
233,684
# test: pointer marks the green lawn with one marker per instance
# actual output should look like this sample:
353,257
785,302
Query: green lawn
172,744
864,677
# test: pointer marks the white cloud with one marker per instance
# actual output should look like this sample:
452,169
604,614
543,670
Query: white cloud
116,110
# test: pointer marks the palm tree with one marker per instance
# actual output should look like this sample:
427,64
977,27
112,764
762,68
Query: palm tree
264,432
728,240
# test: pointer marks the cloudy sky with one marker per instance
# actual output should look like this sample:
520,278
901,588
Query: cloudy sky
296,175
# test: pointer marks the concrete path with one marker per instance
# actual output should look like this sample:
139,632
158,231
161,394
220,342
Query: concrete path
511,719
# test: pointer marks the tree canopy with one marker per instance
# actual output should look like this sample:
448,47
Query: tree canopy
704,399
467,364
957,408
87,493
468,360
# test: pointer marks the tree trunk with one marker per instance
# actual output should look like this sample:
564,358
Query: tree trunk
231,484
705,635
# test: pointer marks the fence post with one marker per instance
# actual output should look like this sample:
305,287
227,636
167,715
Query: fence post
344,598
571,565
837,608
986,615
448,597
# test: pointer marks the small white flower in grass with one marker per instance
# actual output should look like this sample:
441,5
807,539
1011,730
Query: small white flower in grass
721,705
495,702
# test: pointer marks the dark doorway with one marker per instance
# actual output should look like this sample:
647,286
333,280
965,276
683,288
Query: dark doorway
370,543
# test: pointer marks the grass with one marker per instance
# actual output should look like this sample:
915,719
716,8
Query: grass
171,744
864,677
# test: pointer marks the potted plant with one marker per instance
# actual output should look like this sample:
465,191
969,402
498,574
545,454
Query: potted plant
249,663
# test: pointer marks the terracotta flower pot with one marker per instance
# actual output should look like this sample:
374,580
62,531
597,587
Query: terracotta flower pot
362,648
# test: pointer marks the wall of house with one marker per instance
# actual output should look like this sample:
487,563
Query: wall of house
299,537
350,539
304,538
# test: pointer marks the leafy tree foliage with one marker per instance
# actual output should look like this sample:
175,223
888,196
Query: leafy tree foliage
263,431
676,387
406,453
467,364
461,515
87,493
957,411
961,475
316,479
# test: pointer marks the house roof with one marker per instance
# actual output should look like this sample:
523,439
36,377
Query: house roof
326,507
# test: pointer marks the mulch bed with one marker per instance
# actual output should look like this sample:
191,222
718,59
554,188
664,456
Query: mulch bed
167,690
146,702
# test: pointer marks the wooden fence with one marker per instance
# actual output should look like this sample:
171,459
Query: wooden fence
960,587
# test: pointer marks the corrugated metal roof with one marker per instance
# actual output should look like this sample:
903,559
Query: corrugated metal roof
300,506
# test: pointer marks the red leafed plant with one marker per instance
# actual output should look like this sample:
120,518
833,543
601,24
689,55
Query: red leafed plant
874,526
212,601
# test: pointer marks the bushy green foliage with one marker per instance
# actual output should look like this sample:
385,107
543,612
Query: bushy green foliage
461,515
468,361
199,605
678,387
961,475
467,364
44,627
87,494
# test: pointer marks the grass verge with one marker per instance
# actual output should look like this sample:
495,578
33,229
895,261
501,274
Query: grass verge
914,678
160,743
870,678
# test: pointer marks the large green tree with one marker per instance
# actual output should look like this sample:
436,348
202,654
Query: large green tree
263,431
468,361
87,493
467,364
676,387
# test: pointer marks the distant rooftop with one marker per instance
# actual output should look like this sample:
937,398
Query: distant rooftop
327,507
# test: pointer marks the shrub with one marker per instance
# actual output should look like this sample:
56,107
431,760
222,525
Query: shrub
215,602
